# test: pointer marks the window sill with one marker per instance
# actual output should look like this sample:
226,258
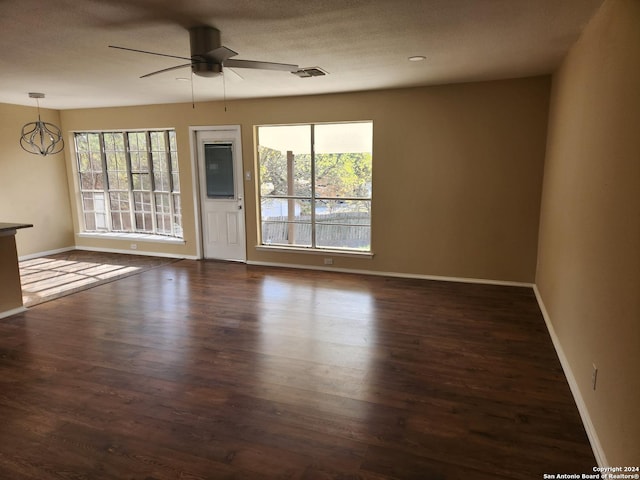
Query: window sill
316,251
132,236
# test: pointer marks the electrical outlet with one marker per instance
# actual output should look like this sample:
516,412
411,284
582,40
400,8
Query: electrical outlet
594,376
328,261
134,246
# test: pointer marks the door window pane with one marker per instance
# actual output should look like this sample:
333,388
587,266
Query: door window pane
218,163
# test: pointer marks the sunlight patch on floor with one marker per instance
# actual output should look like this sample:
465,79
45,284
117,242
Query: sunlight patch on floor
46,277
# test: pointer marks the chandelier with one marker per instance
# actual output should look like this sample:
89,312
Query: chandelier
41,138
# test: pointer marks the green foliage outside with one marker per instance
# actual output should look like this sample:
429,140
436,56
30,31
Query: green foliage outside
338,175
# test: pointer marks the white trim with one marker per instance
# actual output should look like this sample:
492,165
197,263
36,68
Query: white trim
44,254
13,311
314,251
196,186
136,252
142,237
195,177
229,132
596,446
328,268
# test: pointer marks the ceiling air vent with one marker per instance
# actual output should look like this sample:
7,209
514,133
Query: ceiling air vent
310,72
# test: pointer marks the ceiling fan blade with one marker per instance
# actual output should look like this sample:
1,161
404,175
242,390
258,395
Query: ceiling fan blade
232,75
220,54
284,67
167,70
149,53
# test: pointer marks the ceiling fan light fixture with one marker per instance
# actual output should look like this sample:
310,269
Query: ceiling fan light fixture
206,69
41,138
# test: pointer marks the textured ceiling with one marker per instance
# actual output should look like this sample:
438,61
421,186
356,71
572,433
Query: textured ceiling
60,47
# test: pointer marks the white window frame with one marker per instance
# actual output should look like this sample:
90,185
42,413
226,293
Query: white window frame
313,248
104,217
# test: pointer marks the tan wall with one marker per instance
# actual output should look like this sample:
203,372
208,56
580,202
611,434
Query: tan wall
33,189
589,252
457,172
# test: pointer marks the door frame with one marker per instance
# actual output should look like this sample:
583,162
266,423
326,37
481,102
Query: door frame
234,130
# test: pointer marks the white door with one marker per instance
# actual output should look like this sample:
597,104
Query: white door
221,194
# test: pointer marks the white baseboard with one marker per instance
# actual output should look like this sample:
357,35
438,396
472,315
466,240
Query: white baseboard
136,252
13,311
44,254
393,274
108,250
596,446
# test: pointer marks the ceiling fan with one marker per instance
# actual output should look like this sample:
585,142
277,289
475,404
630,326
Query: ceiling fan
208,57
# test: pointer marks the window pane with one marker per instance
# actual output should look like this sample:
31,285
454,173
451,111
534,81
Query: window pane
141,181
342,236
90,181
160,172
139,162
162,203
158,141
137,141
177,217
349,212
284,174
354,137
87,201
100,211
343,160
116,160
89,221
173,145
283,233
175,178
113,142
143,212
290,210
119,201
285,160
95,160
93,206
163,213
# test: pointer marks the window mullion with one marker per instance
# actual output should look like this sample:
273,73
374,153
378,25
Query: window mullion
313,187
170,174
105,183
132,201
152,183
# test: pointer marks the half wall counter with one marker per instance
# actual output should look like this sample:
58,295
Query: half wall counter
10,287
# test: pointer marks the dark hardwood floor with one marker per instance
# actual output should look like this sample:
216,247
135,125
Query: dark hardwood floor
207,370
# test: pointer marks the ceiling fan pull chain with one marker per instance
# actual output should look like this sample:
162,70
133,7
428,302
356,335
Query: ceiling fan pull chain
193,99
224,90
